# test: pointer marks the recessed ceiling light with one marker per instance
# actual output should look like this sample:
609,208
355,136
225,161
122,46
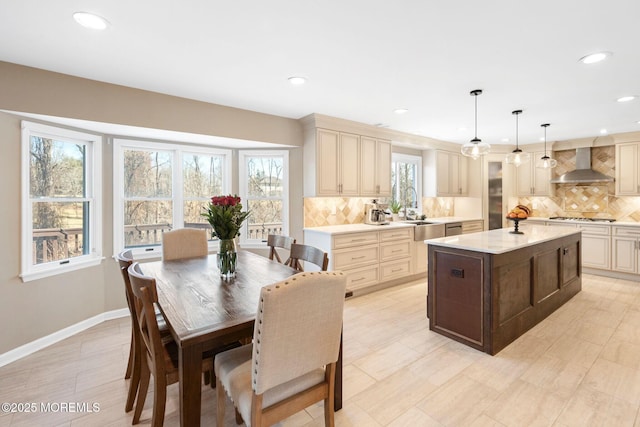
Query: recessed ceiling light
595,57
400,110
626,98
603,131
90,20
296,80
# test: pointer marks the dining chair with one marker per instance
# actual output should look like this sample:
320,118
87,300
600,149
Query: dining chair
159,357
307,253
184,243
291,363
276,241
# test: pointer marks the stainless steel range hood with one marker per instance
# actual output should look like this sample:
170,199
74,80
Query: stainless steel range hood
583,172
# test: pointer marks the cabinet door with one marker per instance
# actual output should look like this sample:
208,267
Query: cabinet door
540,177
595,251
625,257
627,163
368,162
328,147
524,185
463,175
383,167
454,175
349,164
442,173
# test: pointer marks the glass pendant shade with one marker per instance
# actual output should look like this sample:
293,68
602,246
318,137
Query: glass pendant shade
517,156
475,148
546,162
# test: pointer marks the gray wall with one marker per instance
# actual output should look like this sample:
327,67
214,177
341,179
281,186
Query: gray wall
31,310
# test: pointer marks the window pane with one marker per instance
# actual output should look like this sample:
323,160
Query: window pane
59,230
202,175
264,176
265,218
145,221
57,168
192,213
147,173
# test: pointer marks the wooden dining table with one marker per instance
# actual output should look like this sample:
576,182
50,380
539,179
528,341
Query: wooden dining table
204,312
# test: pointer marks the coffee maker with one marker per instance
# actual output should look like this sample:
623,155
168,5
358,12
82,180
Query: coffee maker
374,214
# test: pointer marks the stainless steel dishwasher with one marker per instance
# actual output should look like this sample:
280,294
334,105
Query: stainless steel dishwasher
453,228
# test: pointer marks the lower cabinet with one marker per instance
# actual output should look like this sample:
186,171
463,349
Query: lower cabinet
626,249
596,246
368,258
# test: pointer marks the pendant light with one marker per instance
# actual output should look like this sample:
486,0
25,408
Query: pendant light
517,156
545,161
475,148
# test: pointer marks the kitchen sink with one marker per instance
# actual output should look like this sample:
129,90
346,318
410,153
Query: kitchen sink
424,230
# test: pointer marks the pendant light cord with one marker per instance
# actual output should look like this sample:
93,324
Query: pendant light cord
476,118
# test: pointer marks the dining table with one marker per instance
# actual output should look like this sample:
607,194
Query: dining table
205,311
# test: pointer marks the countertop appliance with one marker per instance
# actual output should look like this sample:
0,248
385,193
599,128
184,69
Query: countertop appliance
452,228
374,214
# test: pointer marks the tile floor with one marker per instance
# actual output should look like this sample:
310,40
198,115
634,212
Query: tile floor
579,367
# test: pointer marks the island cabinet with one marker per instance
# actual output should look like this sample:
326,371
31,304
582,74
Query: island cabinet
486,289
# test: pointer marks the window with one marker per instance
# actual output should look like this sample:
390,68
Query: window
264,189
61,187
406,180
161,186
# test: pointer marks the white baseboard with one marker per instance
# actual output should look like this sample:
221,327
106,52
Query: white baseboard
40,343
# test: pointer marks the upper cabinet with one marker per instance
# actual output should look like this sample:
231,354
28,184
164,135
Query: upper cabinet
445,174
627,164
346,164
533,181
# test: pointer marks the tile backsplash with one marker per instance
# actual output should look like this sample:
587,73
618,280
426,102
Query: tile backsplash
584,200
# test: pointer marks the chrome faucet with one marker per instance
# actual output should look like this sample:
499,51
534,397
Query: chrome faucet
406,191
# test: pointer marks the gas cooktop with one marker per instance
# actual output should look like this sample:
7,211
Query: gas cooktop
570,218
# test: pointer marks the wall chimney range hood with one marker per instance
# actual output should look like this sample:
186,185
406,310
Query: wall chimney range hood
583,172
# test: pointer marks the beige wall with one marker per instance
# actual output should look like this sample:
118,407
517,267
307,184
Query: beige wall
31,310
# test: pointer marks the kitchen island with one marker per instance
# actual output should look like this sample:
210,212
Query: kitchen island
486,289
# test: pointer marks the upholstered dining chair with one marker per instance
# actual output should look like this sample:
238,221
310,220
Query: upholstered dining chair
184,243
276,241
159,357
307,253
291,363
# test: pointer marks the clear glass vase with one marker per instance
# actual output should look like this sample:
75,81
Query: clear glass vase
227,256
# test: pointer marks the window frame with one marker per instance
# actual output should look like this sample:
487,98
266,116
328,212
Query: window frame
243,182
409,159
177,191
93,195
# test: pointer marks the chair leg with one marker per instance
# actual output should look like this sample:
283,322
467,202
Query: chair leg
127,374
239,419
330,376
134,383
159,401
142,391
221,399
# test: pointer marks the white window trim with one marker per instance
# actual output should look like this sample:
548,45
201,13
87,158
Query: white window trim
417,160
119,145
29,271
242,181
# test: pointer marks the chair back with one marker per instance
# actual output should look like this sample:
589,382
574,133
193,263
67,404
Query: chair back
297,328
276,241
144,290
307,253
125,259
184,243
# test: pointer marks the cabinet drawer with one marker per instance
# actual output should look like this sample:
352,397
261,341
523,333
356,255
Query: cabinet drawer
355,257
604,230
361,277
354,239
626,231
395,250
396,234
394,270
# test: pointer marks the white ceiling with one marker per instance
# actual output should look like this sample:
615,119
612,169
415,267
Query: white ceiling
363,59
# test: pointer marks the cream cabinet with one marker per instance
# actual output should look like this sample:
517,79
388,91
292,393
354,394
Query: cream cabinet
626,249
375,167
627,169
445,174
346,164
533,181
596,246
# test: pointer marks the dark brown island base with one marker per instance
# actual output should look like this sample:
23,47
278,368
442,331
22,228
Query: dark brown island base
488,288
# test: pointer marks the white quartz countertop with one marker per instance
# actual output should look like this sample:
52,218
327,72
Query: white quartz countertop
361,228
500,240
